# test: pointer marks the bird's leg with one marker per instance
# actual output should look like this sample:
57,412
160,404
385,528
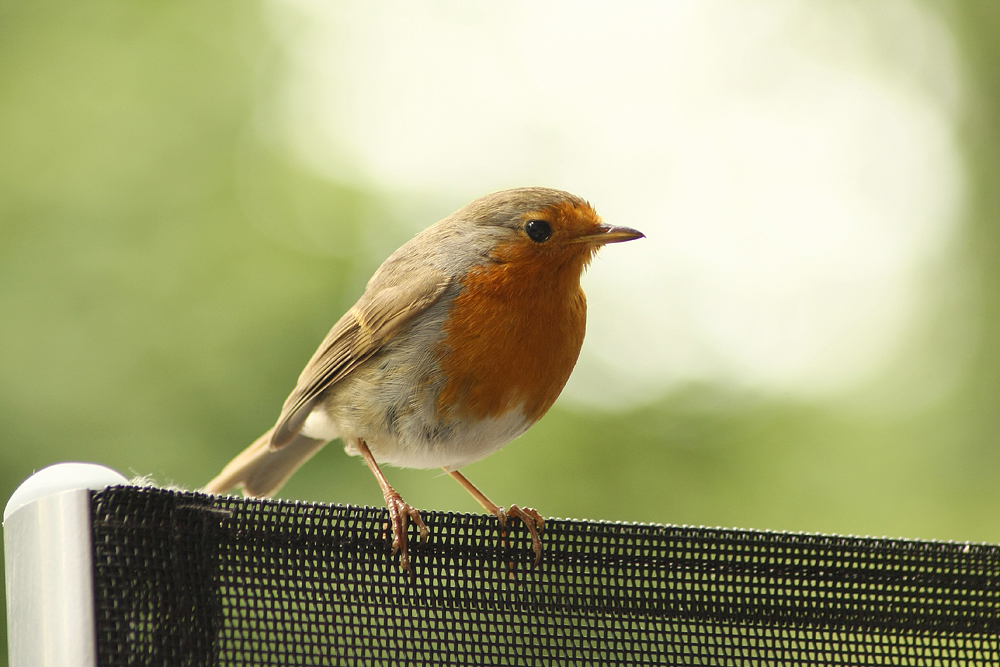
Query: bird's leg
532,519
399,512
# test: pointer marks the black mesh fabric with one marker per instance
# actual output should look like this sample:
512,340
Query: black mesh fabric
189,579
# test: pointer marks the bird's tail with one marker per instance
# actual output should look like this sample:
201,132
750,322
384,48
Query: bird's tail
260,470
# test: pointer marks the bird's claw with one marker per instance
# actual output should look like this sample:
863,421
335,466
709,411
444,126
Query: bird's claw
400,514
531,519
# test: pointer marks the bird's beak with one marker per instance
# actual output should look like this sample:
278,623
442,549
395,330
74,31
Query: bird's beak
609,234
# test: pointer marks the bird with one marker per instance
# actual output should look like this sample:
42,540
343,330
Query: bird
463,338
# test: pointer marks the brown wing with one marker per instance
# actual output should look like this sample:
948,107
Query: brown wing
388,303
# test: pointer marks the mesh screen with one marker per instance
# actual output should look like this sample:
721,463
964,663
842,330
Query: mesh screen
188,579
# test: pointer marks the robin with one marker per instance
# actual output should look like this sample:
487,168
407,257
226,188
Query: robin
463,339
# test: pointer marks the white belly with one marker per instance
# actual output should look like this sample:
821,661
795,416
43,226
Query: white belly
404,429
456,448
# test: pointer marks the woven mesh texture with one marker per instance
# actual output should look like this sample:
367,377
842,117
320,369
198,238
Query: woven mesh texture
188,579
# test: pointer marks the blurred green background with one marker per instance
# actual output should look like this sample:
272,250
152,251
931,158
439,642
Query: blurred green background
147,325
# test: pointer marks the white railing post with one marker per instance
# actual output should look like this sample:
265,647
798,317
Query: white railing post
49,566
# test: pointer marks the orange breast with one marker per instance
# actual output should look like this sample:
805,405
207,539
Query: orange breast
512,338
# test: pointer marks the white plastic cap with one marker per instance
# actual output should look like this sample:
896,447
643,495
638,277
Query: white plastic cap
62,477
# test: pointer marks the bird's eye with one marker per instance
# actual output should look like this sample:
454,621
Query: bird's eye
538,231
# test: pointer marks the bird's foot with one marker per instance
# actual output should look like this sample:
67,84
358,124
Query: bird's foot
532,519
400,514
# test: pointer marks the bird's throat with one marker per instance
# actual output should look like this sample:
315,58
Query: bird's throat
511,340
